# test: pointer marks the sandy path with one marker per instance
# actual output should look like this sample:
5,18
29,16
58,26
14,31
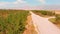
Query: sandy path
43,26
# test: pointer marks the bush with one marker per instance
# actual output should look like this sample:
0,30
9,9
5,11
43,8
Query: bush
43,12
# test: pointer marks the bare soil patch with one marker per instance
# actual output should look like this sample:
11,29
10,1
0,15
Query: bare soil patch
30,29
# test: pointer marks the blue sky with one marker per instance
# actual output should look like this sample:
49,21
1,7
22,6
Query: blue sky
50,2
7,0
22,3
35,2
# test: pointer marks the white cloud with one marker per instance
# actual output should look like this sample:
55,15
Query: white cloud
19,1
3,3
16,4
42,1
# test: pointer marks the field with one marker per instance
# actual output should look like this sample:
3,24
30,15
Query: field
13,21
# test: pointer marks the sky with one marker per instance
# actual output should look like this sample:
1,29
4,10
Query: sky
30,4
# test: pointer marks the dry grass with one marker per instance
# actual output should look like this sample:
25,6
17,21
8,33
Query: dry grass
30,29
56,11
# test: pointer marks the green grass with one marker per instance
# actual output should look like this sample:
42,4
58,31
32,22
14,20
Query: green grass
44,12
14,23
53,20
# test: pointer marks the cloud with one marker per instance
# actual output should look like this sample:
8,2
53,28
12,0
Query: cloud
15,4
19,1
42,1
3,3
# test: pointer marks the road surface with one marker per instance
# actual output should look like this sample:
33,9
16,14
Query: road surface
43,26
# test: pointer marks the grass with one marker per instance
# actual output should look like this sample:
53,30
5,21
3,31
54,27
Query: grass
56,20
44,13
14,22
53,20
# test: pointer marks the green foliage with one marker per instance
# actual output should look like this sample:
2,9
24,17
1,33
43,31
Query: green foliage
53,20
2,24
14,23
44,12
57,18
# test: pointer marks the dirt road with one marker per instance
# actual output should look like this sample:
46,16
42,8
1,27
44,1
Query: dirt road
43,26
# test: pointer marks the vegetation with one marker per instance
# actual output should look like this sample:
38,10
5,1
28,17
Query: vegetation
58,18
55,20
14,23
44,12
